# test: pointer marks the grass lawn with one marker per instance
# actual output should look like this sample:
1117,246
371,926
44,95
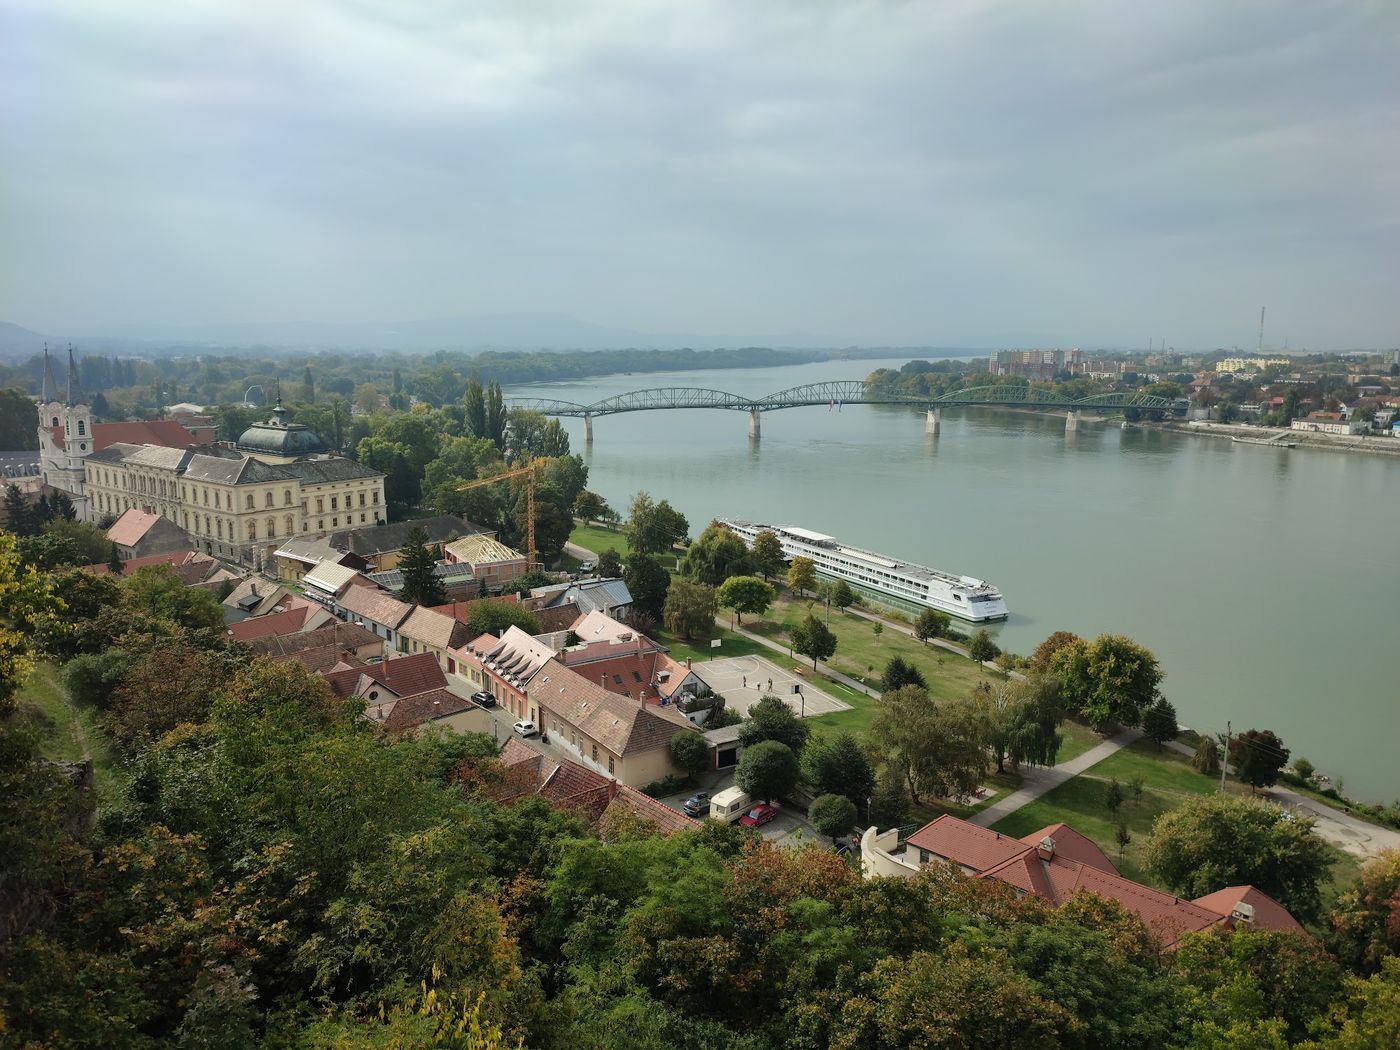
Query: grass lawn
1078,738
67,733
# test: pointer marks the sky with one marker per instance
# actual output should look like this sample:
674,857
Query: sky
954,173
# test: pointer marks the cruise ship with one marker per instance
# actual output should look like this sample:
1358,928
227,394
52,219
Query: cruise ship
918,585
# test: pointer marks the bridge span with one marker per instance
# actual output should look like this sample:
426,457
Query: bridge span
843,392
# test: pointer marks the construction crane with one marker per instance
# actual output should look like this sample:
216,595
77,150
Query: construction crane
527,472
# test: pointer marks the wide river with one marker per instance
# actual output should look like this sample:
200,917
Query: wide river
1267,581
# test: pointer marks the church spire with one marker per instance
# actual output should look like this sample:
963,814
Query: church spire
74,388
50,391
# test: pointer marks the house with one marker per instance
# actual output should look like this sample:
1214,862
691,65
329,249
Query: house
296,557
1328,423
457,580
1057,863
398,676
609,596
325,646
635,667
381,545
492,562
303,616
504,667
441,708
426,631
253,597
627,739
568,785
194,568
140,533
327,582
381,613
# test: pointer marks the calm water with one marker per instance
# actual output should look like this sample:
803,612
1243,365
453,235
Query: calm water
1265,580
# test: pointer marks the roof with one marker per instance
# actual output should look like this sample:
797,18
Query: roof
330,577
401,675
255,596
191,566
462,611
641,805
1072,845
413,711
278,437
312,552
515,656
1269,914
380,539
345,636
166,432
966,844
290,621
621,725
482,548
328,470
374,606
596,624
556,617
630,673
128,530
447,572
232,468
434,629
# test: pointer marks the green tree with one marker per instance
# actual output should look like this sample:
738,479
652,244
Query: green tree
19,420
767,552
1122,836
981,647
1369,1015
889,802
1023,721
308,385
648,584
609,564
842,596
590,507
745,594
691,753
1207,757
1112,679
690,609
832,815
1365,921
813,638
26,600
899,672
155,590
1258,757
459,460
716,556
802,574
421,585
475,402
1113,795
402,448
838,766
1159,722
931,624
114,561
652,528
767,770
534,435
495,617
939,748
496,416
1045,652
771,719
1214,841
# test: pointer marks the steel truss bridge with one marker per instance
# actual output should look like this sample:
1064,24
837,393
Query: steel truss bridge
843,392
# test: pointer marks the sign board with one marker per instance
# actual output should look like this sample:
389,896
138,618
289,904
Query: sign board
714,643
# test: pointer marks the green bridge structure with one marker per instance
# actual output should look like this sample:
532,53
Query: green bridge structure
842,392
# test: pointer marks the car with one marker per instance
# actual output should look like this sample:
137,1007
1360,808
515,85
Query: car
483,699
588,566
697,804
758,816
526,728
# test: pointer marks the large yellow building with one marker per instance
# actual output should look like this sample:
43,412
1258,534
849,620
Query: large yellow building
275,482
1249,364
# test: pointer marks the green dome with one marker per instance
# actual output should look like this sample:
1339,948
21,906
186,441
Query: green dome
277,437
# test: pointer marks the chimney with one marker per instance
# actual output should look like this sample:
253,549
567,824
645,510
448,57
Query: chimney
1242,914
254,586
1046,849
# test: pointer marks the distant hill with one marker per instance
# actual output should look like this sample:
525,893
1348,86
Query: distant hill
18,341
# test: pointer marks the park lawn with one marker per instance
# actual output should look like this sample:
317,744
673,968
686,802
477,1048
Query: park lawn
67,732
1077,738
599,538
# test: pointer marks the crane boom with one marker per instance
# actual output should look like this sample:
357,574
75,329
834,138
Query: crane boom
528,472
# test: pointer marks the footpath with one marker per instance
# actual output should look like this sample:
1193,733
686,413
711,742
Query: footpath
1037,781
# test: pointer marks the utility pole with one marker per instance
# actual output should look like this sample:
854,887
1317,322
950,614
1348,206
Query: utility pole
1225,759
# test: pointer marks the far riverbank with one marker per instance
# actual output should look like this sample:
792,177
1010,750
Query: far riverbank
1377,445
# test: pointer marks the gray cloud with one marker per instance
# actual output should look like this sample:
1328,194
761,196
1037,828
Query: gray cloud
950,173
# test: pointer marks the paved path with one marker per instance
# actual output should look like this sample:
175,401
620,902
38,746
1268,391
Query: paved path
1037,781
835,676
573,550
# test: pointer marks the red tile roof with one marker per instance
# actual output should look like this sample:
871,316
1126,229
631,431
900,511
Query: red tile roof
461,611
131,526
165,432
966,844
401,675
289,622
1071,845
1269,914
191,566
413,711
640,804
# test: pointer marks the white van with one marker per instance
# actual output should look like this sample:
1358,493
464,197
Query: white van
730,804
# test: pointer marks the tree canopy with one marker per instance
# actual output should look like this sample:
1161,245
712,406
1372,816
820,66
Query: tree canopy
745,594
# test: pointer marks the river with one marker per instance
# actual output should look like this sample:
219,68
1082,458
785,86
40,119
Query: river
1266,580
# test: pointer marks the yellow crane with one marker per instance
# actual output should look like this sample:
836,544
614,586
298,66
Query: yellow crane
528,472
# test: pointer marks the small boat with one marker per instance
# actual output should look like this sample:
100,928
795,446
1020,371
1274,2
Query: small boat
1269,442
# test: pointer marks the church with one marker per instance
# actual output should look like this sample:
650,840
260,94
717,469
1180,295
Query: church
238,501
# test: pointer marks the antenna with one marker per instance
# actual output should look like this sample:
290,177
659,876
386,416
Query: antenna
1261,329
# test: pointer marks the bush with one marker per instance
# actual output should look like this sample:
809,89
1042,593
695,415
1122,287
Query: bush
690,751
667,785
832,815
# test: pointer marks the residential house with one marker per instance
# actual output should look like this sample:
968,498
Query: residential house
426,631
253,597
439,708
1329,423
195,568
302,616
396,676
325,646
327,582
381,613
1057,863
627,739
140,533
457,580
492,563
609,596
296,557
504,667
381,545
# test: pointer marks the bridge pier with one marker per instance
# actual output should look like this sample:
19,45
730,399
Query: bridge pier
934,420
755,427
1072,420
587,429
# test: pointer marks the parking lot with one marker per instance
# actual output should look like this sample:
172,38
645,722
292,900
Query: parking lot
743,679
788,828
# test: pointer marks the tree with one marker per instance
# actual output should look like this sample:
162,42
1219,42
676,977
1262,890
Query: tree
609,564
899,672
1112,679
1207,757
1023,721
308,385
767,552
1045,652
889,802
1365,921
839,767
155,590
877,628
590,506
802,574
1122,836
745,594
534,435
475,401
421,586
832,815
653,528
19,515
771,719
981,647
19,420
690,609
939,748
813,638
1230,840
690,752
648,584
1113,795
496,417
767,770
842,596
25,600
1258,757
931,624
63,507
114,561
716,556
496,617
1159,722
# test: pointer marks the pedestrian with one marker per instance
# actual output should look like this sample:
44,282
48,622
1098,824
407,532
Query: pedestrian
746,681
770,685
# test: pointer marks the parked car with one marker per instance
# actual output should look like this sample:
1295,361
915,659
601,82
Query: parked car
483,699
525,728
588,566
697,804
758,816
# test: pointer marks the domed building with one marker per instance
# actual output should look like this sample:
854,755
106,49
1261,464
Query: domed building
278,441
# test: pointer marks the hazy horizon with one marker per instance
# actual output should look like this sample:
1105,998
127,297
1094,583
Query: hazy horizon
968,174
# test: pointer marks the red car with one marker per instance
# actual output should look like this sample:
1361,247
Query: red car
758,816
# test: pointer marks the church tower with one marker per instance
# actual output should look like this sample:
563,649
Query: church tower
53,463
65,434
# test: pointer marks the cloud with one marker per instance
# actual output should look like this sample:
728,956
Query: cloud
946,173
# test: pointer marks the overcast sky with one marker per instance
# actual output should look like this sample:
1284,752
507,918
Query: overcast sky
950,173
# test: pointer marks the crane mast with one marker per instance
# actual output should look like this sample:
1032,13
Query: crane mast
527,472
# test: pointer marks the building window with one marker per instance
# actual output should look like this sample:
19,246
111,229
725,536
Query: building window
252,530
362,502
248,500
610,764
287,497
374,497
206,497
335,503
595,754
362,519
335,523
82,428
321,525
219,526
55,421
267,498
290,528
320,505
271,527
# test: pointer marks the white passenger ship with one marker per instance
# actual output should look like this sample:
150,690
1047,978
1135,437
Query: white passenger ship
962,596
